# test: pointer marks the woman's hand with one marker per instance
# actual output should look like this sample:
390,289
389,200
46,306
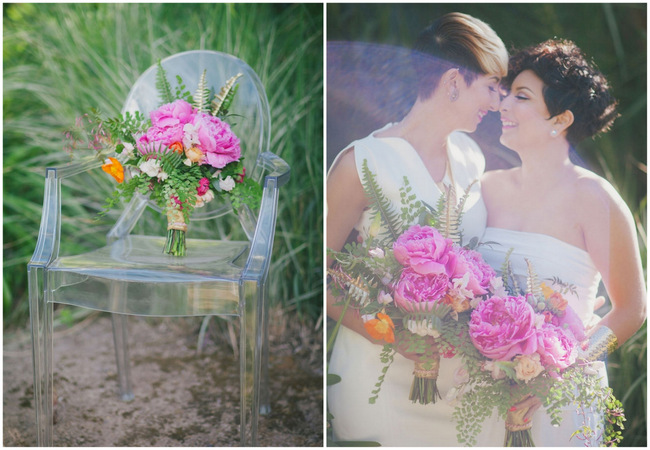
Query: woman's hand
532,403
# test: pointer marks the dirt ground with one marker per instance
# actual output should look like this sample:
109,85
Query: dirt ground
181,398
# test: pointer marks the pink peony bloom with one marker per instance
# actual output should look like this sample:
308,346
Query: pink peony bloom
502,328
424,250
419,293
556,348
218,143
481,274
167,124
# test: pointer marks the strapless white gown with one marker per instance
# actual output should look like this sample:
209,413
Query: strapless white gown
394,420
550,258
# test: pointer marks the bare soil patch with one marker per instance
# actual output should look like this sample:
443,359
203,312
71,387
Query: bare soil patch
182,398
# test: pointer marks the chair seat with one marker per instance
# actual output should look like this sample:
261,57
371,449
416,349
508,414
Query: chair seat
135,268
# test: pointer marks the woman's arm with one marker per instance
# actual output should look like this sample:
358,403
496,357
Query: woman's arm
610,237
346,202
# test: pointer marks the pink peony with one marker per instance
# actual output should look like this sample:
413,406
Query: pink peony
218,143
481,274
426,251
556,348
419,293
167,124
502,328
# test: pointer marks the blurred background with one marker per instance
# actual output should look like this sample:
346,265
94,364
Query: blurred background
61,60
614,35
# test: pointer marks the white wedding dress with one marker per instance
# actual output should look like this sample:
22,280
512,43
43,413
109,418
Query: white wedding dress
550,258
394,420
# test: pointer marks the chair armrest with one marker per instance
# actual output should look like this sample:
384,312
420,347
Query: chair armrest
49,233
262,244
278,169
128,218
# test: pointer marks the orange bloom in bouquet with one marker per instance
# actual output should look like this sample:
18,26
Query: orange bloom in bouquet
381,328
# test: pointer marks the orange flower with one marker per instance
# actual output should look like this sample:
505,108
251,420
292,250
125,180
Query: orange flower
546,290
381,328
114,168
177,147
558,302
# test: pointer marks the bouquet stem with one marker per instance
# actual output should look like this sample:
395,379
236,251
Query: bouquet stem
517,431
424,389
176,229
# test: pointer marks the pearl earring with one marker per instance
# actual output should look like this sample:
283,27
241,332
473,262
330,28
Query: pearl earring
554,133
453,96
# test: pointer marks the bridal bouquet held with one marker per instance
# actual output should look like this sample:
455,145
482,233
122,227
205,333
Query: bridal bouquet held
411,281
526,343
183,156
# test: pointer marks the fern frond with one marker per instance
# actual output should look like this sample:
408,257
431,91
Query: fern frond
202,95
224,98
357,288
170,161
163,86
449,218
379,204
505,271
532,281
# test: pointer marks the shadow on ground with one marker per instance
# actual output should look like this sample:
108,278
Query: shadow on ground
181,398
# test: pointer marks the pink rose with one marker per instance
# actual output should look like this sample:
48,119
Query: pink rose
556,347
167,124
203,187
419,293
502,328
425,251
218,143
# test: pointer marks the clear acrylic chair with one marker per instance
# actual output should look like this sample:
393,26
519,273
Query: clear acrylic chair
132,276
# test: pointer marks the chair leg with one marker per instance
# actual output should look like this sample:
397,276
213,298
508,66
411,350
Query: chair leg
250,351
265,403
120,335
40,314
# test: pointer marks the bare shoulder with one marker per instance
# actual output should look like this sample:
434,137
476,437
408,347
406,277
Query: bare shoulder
597,198
495,181
344,165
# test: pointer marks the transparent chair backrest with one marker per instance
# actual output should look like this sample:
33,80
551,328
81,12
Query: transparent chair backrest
249,113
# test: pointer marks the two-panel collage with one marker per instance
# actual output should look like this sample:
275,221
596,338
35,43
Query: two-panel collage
324,224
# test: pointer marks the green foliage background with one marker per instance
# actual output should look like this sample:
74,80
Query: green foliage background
614,35
60,60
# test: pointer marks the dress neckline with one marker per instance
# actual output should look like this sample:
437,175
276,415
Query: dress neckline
538,236
446,180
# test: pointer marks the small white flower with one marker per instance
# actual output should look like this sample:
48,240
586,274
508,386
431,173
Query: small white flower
539,320
151,167
228,184
459,288
496,287
128,150
162,176
422,328
384,298
201,200
187,162
451,396
376,253
496,371
190,135
367,317
594,367
461,376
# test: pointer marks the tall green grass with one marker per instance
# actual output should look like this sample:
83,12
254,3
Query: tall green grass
60,60
615,36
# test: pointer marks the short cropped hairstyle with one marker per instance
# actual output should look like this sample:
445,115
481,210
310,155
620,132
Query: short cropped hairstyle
457,40
570,83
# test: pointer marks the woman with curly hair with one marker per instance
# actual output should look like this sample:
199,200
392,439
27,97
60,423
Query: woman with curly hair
567,221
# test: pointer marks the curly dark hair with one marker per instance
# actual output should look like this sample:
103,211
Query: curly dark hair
570,83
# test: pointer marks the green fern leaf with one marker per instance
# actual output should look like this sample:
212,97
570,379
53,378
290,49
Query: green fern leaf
202,95
224,98
163,86
532,281
380,205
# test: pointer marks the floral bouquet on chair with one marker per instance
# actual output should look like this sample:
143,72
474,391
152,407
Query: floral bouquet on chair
524,344
182,157
412,283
